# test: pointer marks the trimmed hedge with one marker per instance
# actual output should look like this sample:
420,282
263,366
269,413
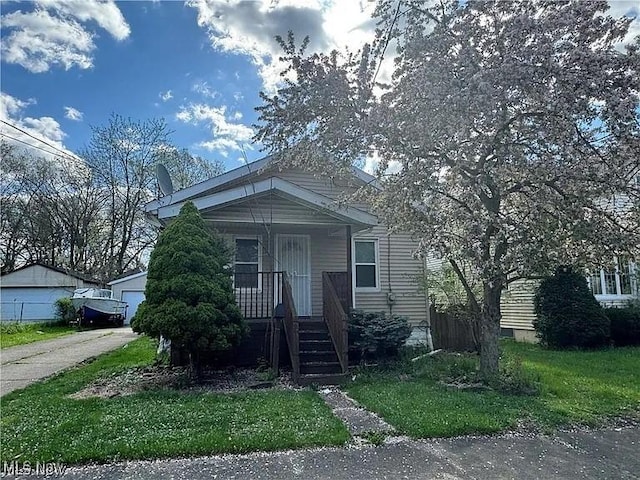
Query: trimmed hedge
625,325
567,313
376,335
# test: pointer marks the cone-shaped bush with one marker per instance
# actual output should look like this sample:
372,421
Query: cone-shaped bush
189,291
567,313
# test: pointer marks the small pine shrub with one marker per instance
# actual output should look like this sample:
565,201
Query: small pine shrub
567,313
189,292
625,325
376,335
64,310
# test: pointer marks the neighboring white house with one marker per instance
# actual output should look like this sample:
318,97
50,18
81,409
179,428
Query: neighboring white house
130,289
614,286
29,293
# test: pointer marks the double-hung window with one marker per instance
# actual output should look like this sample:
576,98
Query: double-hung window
248,262
619,279
366,264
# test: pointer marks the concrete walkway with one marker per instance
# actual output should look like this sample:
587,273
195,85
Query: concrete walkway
597,454
357,419
23,365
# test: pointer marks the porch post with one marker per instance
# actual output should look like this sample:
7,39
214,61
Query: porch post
349,268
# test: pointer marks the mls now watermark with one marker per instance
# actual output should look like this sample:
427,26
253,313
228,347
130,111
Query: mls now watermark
17,468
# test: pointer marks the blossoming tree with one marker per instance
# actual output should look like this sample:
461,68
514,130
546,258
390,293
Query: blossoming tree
512,129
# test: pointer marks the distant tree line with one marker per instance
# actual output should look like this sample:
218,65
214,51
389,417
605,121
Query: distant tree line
87,215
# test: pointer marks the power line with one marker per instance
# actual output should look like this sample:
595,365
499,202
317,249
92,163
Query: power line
29,144
62,152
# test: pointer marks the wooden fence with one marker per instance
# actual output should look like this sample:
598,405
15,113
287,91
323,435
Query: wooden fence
451,332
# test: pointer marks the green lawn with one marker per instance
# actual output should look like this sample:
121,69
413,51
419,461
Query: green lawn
12,334
42,423
576,388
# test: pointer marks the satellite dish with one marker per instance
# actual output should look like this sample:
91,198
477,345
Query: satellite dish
164,180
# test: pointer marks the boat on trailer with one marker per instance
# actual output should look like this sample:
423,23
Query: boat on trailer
96,306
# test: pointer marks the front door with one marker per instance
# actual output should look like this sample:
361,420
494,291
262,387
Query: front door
294,258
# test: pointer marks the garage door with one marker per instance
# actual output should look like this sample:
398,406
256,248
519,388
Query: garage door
133,299
30,304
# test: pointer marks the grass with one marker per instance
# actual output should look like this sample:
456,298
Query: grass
42,423
13,334
576,387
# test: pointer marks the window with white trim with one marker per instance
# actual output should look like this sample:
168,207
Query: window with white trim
365,261
248,262
619,279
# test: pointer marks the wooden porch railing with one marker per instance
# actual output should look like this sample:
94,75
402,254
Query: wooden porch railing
257,294
291,327
342,284
336,319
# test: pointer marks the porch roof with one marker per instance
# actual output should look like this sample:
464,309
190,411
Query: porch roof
283,188
247,170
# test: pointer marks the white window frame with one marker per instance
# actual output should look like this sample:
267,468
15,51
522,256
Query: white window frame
354,264
258,238
605,295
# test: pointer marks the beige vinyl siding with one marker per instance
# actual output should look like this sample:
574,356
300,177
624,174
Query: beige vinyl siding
323,185
270,209
434,263
517,305
328,254
399,272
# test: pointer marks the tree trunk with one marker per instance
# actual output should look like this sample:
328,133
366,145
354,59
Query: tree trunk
490,332
195,365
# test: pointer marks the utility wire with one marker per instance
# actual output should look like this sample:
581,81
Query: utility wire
29,144
61,152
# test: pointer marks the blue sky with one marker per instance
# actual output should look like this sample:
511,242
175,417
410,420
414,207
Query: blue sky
200,64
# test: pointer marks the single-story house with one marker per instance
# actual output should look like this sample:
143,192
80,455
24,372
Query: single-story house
130,289
29,293
297,246
615,286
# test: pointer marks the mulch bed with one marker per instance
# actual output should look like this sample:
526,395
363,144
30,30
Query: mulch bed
160,377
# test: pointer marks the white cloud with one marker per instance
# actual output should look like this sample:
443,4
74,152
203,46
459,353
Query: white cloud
203,88
73,114
249,27
46,129
372,165
56,33
228,135
166,96
627,8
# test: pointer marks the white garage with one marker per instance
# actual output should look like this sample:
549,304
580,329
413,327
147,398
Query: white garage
28,294
130,289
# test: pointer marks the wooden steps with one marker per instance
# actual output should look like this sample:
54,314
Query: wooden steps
319,363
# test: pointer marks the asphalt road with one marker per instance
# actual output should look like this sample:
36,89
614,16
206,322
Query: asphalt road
24,364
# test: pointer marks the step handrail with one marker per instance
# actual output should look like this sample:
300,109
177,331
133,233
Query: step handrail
336,320
291,327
